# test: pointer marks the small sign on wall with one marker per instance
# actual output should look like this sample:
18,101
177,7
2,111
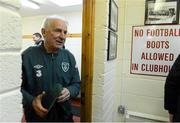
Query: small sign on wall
154,49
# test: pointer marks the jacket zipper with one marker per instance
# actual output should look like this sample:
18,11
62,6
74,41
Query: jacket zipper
52,58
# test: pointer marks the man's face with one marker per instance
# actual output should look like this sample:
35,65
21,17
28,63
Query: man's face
35,38
55,34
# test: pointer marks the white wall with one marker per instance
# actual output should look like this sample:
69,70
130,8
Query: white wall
142,95
10,61
104,76
113,85
33,24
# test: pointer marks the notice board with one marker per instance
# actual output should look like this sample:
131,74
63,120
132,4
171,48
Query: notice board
154,49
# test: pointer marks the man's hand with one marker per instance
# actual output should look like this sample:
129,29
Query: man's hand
64,95
39,109
170,118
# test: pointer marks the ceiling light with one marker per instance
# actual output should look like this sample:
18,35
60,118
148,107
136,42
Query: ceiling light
30,4
63,3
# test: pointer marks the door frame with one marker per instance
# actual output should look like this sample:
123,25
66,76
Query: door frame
88,17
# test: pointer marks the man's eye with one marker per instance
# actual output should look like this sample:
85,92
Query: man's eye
58,30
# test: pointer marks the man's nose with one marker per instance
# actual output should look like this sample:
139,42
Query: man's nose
62,35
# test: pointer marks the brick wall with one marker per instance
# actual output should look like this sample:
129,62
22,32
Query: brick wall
10,61
104,71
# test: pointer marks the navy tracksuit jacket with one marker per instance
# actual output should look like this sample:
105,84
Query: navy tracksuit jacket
40,71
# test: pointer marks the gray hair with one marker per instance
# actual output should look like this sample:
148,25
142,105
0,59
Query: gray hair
46,22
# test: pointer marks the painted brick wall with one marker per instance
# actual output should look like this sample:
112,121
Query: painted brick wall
10,61
104,71
141,95
113,85
119,85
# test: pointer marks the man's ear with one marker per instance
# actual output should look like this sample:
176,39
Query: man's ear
43,31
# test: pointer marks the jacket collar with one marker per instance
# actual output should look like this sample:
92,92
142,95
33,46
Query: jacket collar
45,51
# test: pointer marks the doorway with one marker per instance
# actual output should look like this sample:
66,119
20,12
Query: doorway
87,56
87,59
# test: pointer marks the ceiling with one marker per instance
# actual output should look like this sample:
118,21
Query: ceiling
47,7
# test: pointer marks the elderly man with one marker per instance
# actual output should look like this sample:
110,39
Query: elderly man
45,66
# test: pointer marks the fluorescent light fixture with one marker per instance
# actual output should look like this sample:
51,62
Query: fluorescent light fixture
30,4
64,3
